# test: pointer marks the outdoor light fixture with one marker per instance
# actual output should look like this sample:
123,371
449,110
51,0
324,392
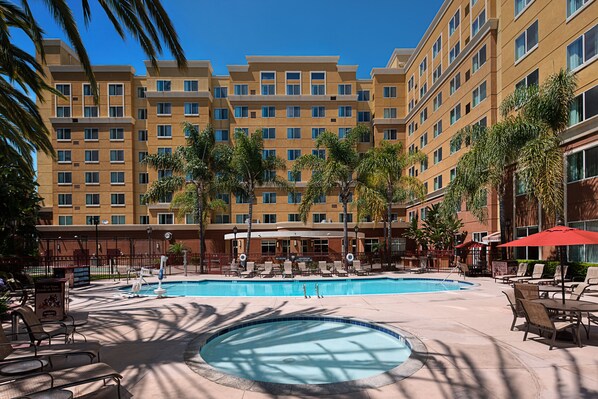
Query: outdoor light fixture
235,230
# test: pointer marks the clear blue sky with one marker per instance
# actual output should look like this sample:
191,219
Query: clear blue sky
362,33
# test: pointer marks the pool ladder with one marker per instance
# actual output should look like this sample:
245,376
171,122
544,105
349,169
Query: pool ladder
309,296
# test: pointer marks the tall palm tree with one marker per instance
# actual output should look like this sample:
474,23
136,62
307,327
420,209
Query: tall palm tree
21,125
250,170
381,175
334,173
193,169
526,140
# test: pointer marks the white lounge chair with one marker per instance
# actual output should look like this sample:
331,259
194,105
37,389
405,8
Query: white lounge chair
358,269
288,269
556,279
536,274
250,270
338,268
521,270
324,269
267,270
303,268
591,278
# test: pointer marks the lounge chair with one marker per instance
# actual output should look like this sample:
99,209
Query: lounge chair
250,270
376,268
536,274
267,270
39,331
521,270
515,306
288,269
537,316
591,278
65,378
338,268
324,269
463,269
9,353
303,268
556,278
358,269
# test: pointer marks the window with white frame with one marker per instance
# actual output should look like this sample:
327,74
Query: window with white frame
293,112
526,252
583,50
117,156
92,178
423,140
423,89
364,116
437,128
64,156
220,92
293,176
141,92
191,85
91,134
584,106
363,95
117,134
143,178
269,198
531,79
65,200
390,134
318,86
454,22
64,89
345,111
90,111
220,114
455,114
437,102
437,47
437,155
65,220
269,133
163,85
527,41
477,23
141,113
389,113
241,111
240,90
117,219
63,111
268,111
191,109
343,132
268,85
437,73
221,134
164,131
92,156
410,83
584,253
242,218
423,66
319,217
438,182
92,199
478,94
117,178
344,90
116,111
478,59
455,83
573,6
423,165
521,5
293,133
165,218
390,91
582,164
423,115
454,52
115,89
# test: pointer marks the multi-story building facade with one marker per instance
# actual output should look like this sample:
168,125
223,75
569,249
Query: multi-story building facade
473,54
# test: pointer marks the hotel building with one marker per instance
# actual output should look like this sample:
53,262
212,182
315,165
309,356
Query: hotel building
473,54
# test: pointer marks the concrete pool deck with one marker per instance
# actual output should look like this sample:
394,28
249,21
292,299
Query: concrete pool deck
471,352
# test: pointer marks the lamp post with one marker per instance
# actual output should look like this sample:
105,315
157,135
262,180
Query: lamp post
149,241
356,242
235,230
96,222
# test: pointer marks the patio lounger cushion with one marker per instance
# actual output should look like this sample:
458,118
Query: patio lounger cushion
323,268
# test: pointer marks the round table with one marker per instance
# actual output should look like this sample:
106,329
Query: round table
23,367
569,306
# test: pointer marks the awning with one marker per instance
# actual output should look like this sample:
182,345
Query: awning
494,237
293,234
470,244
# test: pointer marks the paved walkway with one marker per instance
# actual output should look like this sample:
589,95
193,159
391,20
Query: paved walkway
472,353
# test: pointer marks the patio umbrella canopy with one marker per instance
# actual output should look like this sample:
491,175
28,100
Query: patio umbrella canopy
558,236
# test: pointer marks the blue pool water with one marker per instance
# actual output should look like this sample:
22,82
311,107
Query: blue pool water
294,288
305,350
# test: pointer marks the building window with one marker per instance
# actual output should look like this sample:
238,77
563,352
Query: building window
142,135
452,174
293,177
584,253
454,22
341,218
410,84
437,129
343,132
191,85
370,245
411,128
64,156
90,134
319,218
221,219
144,219
64,89
165,218
142,113
390,134
583,50
317,131
241,112
115,89
117,134
345,111
319,153
90,111
268,154
454,53
117,156
163,85
65,200
437,155
478,59
293,112
191,109
269,198
526,252
437,101
318,112
479,94
365,137
423,165
364,116
363,95
582,165
220,92
116,111
64,220
142,155
526,42
531,79
423,90
92,199
521,5
423,116
423,66
242,218
92,178
63,112
455,114
268,247
221,114
477,23
221,135
344,90
293,133
117,178
92,156
390,91
117,199
423,140
573,6
268,112
143,178
269,218
269,133
164,109
437,47
437,73
293,89
390,113
423,214
164,131
584,106
240,90
293,154
141,91
438,182
455,145
117,219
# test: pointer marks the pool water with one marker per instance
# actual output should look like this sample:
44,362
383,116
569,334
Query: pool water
294,288
305,351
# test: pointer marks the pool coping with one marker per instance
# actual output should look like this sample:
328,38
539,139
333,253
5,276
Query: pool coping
417,359
314,280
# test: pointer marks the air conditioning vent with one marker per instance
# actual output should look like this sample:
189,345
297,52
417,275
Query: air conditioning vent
75,142
333,120
467,108
466,40
253,115
467,75
76,164
77,186
252,92
75,98
77,208
333,98
75,120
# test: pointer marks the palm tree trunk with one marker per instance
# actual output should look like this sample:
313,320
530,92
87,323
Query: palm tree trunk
345,230
389,232
201,229
248,246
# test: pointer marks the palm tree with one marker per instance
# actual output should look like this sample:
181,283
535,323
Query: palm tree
21,125
526,140
440,227
382,180
334,173
250,170
194,169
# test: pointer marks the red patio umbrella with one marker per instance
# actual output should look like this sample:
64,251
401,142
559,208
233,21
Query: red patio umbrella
558,236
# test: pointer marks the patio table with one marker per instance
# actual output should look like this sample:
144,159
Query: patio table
570,306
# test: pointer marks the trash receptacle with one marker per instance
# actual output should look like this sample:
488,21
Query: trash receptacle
50,299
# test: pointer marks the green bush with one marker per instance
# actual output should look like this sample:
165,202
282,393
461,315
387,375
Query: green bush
577,270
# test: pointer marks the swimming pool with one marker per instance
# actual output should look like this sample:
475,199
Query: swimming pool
306,355
295,288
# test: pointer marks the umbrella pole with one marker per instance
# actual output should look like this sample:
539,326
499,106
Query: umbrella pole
562,256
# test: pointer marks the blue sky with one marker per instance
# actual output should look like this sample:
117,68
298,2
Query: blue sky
362,33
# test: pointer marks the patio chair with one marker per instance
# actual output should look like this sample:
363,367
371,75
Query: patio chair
52,380
591,278
267,270
526,291
521,270
376,268
536,274
537,316
303,268
250,270
9,353
556,278
463,269
515,306
358,269
324,269
338,268
39,331
288,269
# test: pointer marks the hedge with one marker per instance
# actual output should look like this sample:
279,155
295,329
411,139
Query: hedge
577,270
